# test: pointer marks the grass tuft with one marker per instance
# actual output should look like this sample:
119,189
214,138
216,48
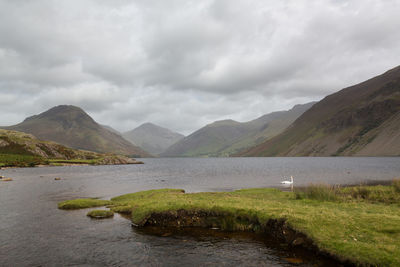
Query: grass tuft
396,185
100,214
321,192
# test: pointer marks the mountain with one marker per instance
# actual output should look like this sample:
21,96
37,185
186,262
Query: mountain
22,149
71,126
223,138
361,120
153,138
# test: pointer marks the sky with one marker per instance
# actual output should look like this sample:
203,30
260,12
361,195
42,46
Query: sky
183,64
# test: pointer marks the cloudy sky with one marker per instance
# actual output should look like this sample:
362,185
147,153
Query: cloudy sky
183,64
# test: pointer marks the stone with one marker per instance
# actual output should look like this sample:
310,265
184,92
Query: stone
298,241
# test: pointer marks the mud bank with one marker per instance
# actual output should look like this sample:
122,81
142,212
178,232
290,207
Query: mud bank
278,229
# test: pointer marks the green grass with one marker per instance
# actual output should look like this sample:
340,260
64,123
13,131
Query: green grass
345,224
82,203
100,214
16,160
372,194
56,162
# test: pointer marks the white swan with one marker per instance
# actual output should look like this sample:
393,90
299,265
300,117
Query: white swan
288,182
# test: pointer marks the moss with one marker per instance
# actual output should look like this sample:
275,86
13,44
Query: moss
100,214
82,203
124,209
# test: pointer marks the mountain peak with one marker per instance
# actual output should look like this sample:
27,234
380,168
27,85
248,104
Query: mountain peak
72,126
224,122
62,112
148,125
152,138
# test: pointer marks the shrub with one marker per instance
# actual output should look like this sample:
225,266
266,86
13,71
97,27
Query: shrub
321,192
396,185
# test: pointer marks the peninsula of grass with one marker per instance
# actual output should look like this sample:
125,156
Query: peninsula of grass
358,225
82,203
100,214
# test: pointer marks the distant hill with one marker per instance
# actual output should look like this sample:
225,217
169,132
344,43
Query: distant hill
152,138
22,149
223,138
71,126
361,120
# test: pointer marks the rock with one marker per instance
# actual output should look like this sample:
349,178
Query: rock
166,234
298,241
294,260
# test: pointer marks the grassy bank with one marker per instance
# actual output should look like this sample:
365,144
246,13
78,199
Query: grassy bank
360,225
18,149
12,160
17,160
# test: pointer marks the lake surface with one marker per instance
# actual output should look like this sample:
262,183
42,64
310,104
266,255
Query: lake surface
33,232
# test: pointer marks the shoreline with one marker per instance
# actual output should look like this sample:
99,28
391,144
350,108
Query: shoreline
61,164
357,225
278,229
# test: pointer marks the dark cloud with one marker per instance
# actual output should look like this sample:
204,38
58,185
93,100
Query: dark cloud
183,64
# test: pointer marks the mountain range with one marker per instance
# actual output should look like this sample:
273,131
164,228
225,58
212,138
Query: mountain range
361,120
152,138
73,127
223,138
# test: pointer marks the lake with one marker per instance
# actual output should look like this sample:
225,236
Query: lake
33,232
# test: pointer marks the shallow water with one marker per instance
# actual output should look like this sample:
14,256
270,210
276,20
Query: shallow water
33,232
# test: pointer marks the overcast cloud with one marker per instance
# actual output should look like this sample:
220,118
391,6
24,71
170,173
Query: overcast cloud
183,64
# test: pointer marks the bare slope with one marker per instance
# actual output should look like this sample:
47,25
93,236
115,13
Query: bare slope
223,138
359,120
152,138
71,126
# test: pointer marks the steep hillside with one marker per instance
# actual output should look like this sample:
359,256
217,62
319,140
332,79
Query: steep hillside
267,127
111,129
361,120
152,138
22,149
223,138
71,126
